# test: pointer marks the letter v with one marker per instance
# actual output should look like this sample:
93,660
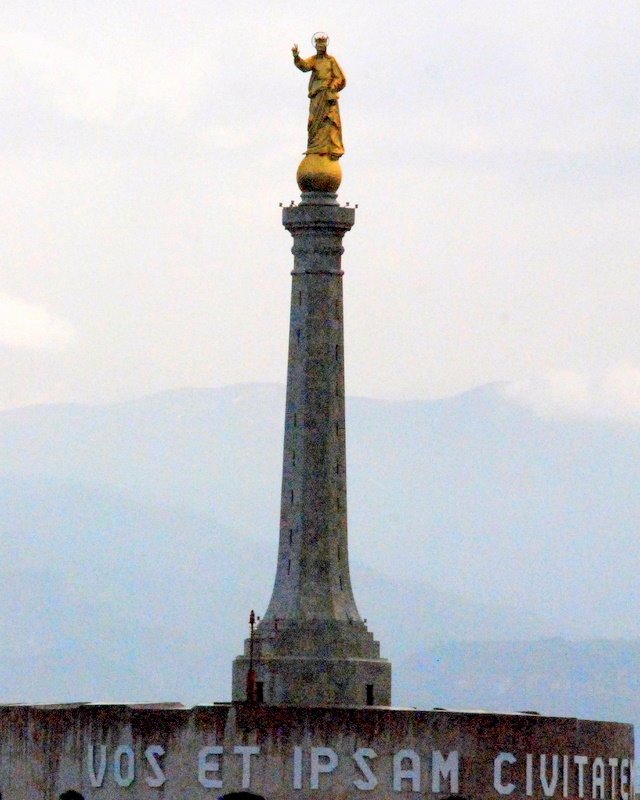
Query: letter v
96,779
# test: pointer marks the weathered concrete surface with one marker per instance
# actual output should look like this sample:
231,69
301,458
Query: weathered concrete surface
116,752
312,646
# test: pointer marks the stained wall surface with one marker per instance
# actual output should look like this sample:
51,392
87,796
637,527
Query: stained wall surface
278,752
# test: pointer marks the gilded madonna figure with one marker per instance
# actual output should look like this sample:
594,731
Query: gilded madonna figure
327,80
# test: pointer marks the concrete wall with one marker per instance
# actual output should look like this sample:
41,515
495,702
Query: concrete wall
111,752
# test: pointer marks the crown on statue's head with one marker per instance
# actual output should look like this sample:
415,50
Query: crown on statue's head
320,37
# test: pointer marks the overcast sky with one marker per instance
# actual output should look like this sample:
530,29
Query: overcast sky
492,147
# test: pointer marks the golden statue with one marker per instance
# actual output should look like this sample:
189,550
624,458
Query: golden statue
319,171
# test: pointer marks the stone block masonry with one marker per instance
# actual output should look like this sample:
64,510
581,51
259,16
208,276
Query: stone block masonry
283,752
312,646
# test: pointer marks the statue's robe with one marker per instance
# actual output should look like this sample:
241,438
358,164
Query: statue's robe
324,127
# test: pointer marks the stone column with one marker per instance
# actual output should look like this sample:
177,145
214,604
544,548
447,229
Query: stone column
312,646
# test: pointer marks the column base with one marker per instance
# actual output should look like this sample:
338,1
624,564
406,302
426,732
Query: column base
300,681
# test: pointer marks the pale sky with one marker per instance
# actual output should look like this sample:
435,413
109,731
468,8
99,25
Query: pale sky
492,147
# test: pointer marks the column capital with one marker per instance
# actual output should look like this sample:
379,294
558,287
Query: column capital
310,219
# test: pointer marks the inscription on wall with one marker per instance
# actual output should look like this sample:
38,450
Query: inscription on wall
549,774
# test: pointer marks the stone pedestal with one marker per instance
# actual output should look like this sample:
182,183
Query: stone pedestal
312,646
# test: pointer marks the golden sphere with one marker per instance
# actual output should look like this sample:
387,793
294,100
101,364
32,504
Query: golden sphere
319,174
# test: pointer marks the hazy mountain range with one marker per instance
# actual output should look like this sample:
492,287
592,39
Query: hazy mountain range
493,551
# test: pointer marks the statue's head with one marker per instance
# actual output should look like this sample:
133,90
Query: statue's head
320,42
